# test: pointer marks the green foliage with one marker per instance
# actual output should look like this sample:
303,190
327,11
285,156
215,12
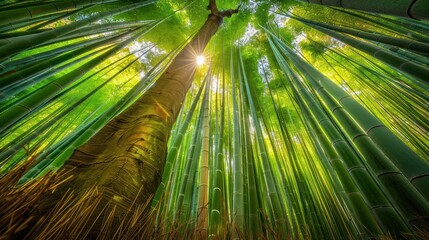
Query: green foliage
285,101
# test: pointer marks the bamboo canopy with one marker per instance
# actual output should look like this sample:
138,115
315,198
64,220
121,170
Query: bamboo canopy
158,119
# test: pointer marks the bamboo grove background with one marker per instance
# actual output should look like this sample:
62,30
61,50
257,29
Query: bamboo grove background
313,126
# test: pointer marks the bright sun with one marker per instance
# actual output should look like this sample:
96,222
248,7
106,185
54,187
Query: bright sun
200,60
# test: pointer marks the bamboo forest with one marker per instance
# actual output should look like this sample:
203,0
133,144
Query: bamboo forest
214,119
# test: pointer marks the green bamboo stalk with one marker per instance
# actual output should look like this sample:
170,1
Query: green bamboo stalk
356,198
14,4
201,227
10,92
407,23
62,16
8,161
415,9
399,42
405,32
27,72
218,192
253,227
379,72
277,206
98,72
245,158
189,182
338,211
183,204
13,15
97,29
8,37
415,70
27,105
408,106
20,24
91,30
253,220
373,196
13,48
291,156
411,165
386,172
237,211
417,58
35,58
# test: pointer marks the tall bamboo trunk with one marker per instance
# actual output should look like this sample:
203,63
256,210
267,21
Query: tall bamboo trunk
399,42
418,9
417,71
24,13
201,227
11,49
125,159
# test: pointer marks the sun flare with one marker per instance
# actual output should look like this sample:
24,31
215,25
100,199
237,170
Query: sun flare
200,60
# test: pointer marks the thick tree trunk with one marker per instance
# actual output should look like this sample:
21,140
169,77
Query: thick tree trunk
125,159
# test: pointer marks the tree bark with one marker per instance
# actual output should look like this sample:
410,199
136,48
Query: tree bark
125,159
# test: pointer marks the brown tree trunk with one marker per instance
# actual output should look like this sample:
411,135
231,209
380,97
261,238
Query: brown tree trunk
129,152
125,159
